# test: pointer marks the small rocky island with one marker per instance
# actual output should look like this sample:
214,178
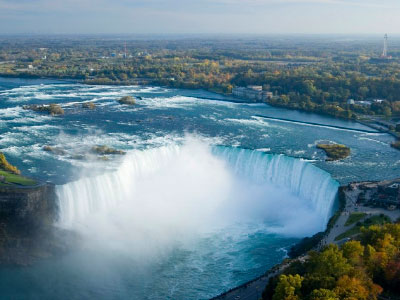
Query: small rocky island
99,152
52,109
89,105
104,150
127,100
335,151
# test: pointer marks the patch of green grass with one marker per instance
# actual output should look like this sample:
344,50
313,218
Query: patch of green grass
15,179
354,218
348,233
375,220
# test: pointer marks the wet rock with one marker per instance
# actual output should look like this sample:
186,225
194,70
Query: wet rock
127,100
54,150
104,150
52,109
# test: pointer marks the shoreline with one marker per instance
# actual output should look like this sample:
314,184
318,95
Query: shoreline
347,204
252,289
257,281
233,99
229,98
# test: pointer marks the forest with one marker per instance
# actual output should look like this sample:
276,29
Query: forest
366,268
318,74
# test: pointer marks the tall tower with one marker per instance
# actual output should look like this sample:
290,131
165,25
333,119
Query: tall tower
125,53
385,46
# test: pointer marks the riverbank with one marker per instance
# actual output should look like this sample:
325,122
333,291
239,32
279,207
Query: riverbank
352,203
227,97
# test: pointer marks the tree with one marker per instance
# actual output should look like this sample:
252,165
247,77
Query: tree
363,91
353,288
387,111
323,294
329,262
288,287
392,275
353,251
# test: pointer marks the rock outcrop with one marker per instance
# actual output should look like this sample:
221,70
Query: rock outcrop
26,224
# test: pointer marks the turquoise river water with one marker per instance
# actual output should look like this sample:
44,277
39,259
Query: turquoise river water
208,196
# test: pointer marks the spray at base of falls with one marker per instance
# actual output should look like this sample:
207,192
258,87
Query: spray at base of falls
302,178
170,194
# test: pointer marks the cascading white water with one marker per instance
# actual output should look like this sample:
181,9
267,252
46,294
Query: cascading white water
187,186
300,177
89,195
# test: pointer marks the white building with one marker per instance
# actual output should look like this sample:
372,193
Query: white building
350,101
363,103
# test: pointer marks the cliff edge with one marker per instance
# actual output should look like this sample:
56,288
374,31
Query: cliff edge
27,215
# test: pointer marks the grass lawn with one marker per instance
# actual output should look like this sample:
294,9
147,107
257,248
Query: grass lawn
354,218
375,220
15,179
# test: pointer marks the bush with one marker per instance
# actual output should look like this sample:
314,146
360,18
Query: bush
6,166
306,245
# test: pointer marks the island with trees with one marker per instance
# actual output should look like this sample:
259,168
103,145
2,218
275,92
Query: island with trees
335,151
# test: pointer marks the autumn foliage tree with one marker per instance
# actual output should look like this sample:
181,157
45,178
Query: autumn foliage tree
358,270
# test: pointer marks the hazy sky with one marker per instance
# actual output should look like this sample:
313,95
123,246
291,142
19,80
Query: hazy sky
199,16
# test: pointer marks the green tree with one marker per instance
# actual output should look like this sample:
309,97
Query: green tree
288,287
323,294
353,251
329,262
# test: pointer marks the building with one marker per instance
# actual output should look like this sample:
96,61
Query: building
363,103
252,92
378,194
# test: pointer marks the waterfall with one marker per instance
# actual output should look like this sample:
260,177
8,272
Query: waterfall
87,196
300,177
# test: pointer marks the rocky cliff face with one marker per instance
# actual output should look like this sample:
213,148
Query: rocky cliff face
27,209
26,224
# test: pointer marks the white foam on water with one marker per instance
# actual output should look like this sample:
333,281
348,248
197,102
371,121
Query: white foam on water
162,196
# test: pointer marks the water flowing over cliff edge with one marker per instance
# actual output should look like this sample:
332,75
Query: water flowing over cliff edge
175,192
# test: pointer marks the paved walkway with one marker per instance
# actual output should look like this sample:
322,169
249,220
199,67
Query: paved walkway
352,207
253,289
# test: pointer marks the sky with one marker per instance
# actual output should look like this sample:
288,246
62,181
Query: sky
199,16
